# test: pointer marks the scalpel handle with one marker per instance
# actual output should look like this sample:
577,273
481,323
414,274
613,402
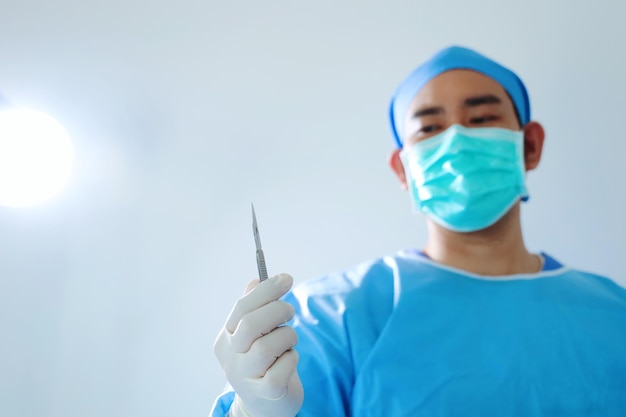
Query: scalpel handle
260,263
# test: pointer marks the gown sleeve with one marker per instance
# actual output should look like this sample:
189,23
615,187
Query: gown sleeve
324,367
222,404
338,318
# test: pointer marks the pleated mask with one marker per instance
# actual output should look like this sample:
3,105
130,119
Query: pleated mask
466,179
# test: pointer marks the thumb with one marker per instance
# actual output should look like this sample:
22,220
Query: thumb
251,285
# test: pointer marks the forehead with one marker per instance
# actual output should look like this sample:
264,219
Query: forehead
454,86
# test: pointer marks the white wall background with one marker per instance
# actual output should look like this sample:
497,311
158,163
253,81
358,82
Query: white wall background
184,112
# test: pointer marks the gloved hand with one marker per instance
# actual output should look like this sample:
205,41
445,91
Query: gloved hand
256,352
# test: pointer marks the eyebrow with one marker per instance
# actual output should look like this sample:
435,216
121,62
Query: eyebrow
480,100
428,111
469,102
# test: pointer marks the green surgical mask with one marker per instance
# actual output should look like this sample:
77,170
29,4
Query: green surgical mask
466,179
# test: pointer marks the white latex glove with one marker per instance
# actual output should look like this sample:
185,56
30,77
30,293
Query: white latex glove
256,352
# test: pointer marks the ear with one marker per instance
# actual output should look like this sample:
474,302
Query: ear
534,136
395,163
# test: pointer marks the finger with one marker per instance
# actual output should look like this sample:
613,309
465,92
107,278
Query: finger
267,349
260,295
251,285
259,323
274,383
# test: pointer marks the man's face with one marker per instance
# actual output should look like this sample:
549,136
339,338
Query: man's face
461,97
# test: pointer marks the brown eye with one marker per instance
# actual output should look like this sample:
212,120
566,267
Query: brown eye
483,119
428,129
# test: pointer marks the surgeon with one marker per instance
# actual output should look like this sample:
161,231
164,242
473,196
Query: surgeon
471,324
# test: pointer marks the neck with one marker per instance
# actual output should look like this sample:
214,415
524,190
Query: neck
497,250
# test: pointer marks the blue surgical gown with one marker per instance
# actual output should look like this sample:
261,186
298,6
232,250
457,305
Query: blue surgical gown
405,336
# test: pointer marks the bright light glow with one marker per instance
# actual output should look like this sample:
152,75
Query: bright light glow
36,157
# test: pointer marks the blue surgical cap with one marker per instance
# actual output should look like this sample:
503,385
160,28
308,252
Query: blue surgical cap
451,58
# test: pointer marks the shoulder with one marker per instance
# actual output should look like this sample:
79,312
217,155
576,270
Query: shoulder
369,283
591,284
600,283
375,272
376,278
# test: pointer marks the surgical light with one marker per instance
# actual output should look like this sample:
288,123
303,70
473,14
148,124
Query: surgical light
36,157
